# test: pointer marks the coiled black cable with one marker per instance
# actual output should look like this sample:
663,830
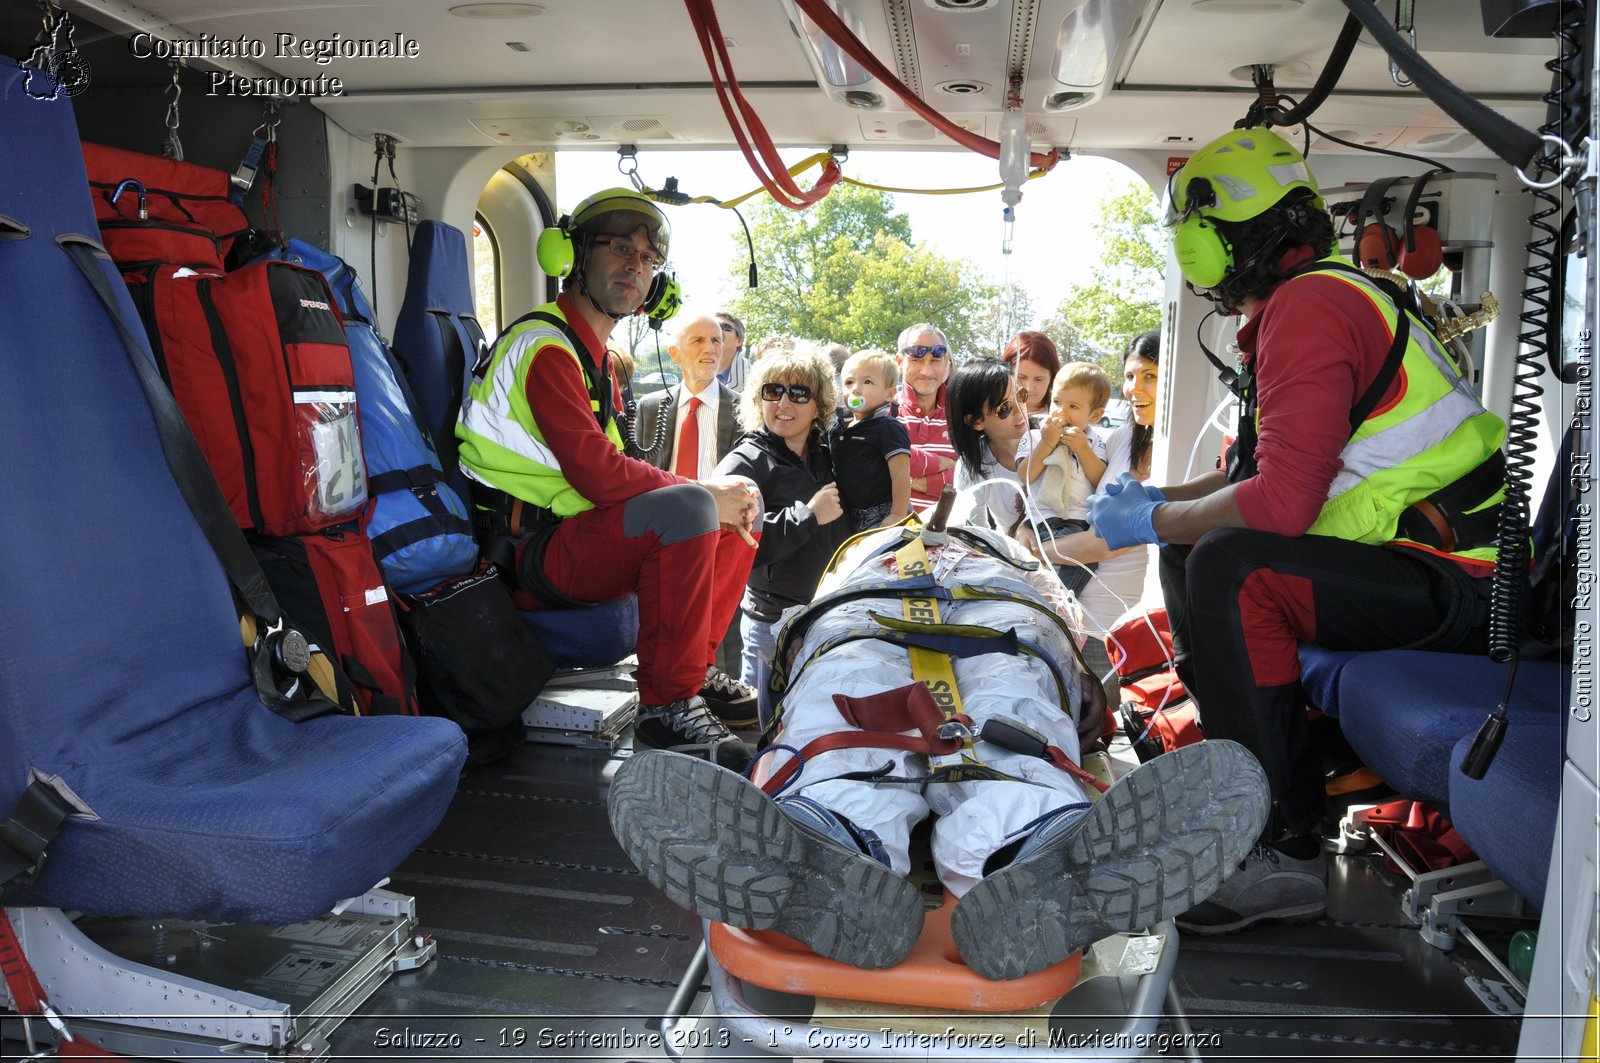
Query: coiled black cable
630,418
1534,351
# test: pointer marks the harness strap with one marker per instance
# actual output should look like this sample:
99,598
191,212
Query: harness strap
932,667
23,838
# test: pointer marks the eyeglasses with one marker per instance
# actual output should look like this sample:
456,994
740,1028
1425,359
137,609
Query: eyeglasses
798,394
1008,406
938,352
625,251
730,329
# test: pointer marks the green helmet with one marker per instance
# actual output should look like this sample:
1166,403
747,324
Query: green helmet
619,211
1238,176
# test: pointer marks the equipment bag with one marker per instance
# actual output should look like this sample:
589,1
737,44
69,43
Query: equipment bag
419,527
1157,715
477,662
156,211
328,583
258,362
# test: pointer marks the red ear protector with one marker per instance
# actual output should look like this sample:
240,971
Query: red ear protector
1378,246
1422,254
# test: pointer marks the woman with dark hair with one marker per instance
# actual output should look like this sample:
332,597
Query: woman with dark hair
987,426
786,405
1035,362
1121,573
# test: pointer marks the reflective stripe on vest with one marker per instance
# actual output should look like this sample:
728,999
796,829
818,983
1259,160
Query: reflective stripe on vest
501,444
1433,433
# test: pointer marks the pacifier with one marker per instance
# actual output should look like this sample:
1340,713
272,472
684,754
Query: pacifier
855,402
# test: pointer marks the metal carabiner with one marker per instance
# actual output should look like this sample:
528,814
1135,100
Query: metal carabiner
1404,22
628,165
1568,161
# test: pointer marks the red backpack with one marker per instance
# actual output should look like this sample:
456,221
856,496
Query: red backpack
258,362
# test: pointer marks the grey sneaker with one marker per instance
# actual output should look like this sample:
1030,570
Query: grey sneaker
1156,844
689,726
1268,885
718,846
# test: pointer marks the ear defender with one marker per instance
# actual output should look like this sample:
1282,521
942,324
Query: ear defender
554,251
1204,254
1378,245
663,300
1422,253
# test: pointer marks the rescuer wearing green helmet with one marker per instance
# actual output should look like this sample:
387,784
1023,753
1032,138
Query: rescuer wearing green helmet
1357,511
579,522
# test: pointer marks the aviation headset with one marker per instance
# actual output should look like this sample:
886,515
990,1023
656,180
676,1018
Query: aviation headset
1234,178
561,247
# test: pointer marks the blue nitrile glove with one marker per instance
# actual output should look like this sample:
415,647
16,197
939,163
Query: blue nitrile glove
1123,514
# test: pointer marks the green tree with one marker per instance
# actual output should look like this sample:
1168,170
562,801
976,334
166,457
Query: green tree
1124,297
1009,312
846,271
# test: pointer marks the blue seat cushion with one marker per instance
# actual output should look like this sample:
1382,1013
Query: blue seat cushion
594,636
1319,676
1403,710
1509,815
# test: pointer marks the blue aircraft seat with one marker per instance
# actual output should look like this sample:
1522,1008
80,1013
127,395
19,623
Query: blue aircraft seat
121,669
1411,715
1508,817
437,337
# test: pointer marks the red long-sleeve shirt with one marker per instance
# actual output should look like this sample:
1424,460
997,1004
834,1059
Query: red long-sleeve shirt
559,400
1316,344
930,441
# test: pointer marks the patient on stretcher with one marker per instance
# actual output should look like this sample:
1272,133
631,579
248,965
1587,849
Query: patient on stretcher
1041,863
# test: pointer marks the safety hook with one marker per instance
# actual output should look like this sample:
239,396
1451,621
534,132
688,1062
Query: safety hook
1404,22
628,165
1567,161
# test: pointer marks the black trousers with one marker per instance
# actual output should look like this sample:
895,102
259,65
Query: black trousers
1240,603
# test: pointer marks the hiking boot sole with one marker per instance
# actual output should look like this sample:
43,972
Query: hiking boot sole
1157,843
1299,913
718,846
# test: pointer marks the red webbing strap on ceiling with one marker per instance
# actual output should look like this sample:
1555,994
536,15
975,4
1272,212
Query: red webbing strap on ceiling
27,996
833,26
774,176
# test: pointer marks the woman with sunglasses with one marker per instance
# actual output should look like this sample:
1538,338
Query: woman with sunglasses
1035,362
785,408
987,426
924,363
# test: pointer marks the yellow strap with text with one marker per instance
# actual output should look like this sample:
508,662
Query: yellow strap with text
931,668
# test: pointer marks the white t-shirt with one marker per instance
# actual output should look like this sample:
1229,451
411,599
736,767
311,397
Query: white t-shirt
1001,501
1120,577
1063,486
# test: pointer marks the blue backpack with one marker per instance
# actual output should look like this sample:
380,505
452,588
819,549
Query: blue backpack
420,530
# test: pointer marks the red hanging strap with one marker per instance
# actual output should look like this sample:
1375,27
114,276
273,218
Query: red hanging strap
774,176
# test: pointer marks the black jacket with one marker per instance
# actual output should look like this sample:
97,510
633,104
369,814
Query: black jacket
794,548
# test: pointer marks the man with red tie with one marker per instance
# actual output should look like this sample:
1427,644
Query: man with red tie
700,413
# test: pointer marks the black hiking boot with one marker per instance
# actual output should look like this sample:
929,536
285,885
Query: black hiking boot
688,726
718,846
1156,844
733,702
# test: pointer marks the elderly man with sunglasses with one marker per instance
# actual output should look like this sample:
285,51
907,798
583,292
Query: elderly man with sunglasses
575,519
923,357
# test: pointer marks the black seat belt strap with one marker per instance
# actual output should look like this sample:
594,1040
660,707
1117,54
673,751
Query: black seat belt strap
23,838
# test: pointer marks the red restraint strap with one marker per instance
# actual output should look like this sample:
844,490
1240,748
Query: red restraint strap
28,996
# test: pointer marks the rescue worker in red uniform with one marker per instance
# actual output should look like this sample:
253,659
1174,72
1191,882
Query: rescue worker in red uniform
1357,512
542,440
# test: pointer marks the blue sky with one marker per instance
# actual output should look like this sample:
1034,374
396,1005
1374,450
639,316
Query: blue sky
1052,249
